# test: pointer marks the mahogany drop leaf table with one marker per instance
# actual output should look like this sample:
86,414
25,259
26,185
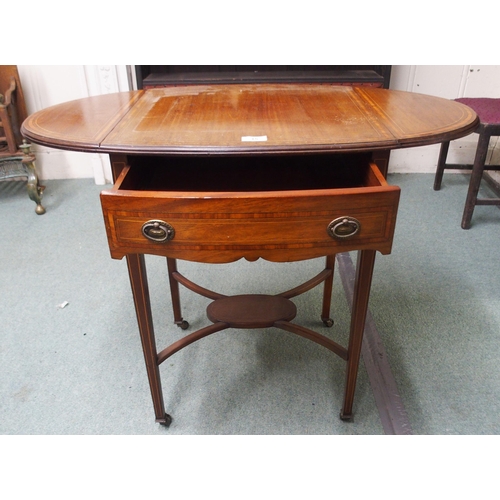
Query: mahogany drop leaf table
282,172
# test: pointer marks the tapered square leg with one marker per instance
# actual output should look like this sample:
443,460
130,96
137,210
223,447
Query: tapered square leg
174,292
327,292
140,291
364,273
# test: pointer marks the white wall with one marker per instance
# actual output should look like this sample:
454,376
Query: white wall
47,85
449,82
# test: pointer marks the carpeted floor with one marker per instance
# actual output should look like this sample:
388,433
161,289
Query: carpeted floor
79,369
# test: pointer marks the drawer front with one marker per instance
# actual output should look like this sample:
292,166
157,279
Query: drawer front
272,226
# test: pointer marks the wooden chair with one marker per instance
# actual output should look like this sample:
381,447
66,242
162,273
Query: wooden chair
16,159
488,110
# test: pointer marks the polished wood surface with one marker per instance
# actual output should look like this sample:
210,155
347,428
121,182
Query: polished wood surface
79,125
250,119
12,110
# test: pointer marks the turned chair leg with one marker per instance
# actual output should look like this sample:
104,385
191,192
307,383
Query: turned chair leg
475,180
443,153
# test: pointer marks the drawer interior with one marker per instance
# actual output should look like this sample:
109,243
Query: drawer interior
249,174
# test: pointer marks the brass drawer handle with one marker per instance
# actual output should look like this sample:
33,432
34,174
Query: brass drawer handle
158,231
344,227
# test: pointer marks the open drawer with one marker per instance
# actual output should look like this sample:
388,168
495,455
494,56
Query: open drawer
220,209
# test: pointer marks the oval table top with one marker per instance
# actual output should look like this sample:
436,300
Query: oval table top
250,119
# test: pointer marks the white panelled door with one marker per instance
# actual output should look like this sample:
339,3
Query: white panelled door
450,82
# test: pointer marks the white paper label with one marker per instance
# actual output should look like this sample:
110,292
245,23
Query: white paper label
254,138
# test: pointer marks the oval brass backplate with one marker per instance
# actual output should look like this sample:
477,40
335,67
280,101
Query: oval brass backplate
344,227
158,231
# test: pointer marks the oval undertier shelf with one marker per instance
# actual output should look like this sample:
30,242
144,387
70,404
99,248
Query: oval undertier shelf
251,311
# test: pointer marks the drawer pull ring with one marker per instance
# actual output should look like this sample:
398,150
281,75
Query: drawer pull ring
344,227
158,231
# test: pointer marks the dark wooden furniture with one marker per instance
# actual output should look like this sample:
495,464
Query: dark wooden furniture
488,110
283,172
360,75
16,159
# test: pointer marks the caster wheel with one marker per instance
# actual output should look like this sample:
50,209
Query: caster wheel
166,420
328,322
184,325
346,417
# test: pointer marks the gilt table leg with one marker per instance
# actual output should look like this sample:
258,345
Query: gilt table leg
35,190
364,273
140,291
